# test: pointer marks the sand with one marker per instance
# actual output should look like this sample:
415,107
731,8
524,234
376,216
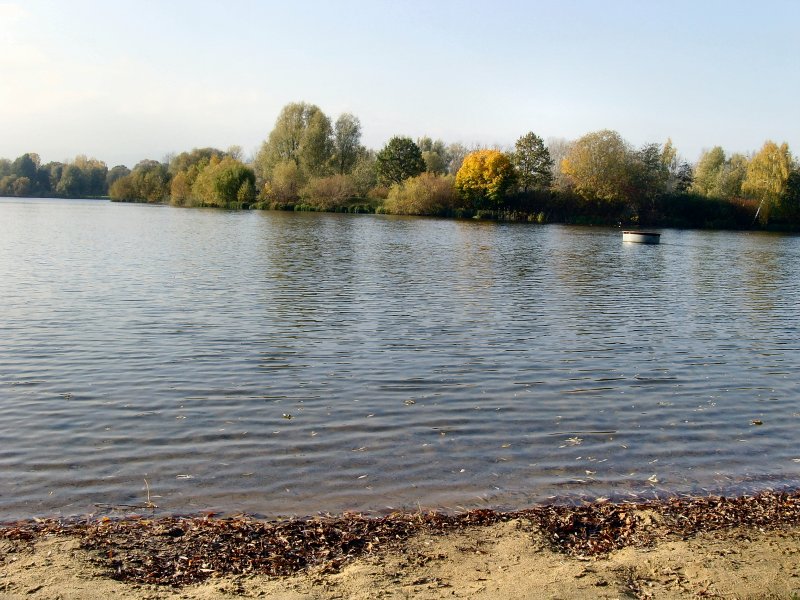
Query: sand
504,560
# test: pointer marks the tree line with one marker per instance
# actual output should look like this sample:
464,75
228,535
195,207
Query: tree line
81,178
310,162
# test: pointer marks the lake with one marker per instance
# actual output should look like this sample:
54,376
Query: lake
291,363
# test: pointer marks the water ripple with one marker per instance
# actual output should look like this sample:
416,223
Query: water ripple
285,363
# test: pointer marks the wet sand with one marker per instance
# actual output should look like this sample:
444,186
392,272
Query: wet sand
746,547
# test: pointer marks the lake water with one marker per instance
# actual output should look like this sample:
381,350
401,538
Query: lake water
281,363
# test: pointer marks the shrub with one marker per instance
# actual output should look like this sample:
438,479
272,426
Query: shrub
328,193
425,194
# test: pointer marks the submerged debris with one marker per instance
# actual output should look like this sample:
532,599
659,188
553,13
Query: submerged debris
182,550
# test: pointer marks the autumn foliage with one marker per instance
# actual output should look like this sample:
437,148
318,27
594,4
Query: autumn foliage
485,177
309,163
425,194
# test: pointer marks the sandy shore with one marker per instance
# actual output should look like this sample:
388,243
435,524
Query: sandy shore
741,548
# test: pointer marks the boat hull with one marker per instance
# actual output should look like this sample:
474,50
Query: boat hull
641,237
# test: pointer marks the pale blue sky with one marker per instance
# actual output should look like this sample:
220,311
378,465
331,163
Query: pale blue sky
123,81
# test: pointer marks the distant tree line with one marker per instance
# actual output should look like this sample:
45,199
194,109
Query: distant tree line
202,177
81,178
310,162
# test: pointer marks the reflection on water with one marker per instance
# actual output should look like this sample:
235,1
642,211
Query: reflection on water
291,363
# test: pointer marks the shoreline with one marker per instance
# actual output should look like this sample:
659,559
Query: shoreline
159,556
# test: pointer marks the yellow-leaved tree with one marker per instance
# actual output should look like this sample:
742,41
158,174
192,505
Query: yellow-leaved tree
767,174
598,165
485,177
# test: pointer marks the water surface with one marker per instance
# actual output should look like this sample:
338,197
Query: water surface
281,363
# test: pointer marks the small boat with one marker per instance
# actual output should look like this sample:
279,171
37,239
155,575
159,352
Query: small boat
641,237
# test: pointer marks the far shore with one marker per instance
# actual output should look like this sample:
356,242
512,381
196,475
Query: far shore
745,547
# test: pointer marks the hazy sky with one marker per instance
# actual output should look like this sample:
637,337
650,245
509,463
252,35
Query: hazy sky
122,81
